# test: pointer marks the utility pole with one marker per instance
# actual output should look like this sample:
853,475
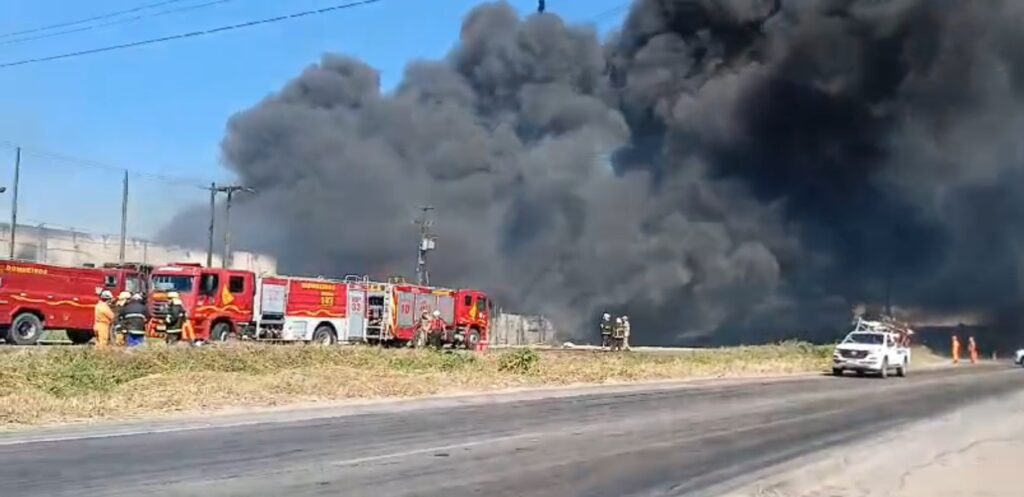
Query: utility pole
427,243
225,260
230,191
213,212
124,217
14,199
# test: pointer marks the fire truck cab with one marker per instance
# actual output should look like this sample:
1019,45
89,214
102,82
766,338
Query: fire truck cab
219,301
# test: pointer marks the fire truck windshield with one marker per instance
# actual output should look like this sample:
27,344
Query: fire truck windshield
167,283
133,284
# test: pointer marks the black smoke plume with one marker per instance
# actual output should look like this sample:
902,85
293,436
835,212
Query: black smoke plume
722,170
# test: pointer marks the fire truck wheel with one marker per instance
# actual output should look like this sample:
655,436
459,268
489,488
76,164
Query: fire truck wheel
221,332
79,337
472,339
25,330
324,335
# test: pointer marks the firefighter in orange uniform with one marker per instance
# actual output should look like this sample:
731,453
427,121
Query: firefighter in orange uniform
956,350
103,318
972,348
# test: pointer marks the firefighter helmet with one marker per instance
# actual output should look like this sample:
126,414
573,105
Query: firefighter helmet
173,295
106,295
607,316
437,313
124,296
136,296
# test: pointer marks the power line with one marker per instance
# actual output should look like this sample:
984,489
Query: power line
604,15
198,183
193,33
89,19
115,22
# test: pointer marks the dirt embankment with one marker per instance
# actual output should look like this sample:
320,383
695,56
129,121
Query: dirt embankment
48,385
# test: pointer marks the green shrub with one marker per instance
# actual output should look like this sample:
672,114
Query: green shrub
520,361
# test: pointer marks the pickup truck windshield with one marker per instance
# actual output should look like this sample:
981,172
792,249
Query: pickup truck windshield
867,338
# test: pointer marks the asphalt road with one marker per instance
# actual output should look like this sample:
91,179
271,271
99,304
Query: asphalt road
699,440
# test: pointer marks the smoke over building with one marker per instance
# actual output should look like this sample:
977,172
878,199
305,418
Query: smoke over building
722,170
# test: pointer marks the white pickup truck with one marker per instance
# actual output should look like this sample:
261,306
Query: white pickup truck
867,351
1019,358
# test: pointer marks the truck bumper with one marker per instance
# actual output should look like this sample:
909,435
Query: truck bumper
864,365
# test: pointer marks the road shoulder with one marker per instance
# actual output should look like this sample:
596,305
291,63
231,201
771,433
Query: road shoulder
971,451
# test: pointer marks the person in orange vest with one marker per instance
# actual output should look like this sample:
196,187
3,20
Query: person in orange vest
972,348
103,318
956,350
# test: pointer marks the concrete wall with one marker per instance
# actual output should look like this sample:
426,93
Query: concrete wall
74,248
518,330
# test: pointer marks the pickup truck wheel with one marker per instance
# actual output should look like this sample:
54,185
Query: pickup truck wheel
79,337
902,370
885,369
837,372
26,329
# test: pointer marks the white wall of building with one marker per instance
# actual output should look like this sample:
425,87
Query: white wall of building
74,248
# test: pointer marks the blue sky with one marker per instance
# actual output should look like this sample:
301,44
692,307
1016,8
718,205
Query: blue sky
161,109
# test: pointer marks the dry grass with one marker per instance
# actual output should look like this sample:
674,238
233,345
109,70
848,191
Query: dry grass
47,385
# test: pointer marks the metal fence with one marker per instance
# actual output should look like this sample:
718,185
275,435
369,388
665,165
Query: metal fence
516,330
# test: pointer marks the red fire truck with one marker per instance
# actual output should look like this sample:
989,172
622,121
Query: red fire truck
224,304
466,313
35,297
219,301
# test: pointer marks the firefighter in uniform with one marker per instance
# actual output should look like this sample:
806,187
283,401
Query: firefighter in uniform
134,319
606,331
625,332
436,337
972,349
117,332
422,331
618,334
103,318
175,319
